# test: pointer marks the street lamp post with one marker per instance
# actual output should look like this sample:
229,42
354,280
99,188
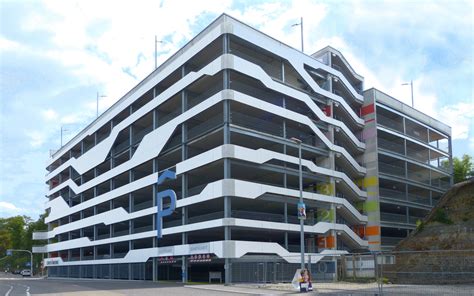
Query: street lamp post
298,141
301,25
9,251
97,103
411,85
62,131
156,50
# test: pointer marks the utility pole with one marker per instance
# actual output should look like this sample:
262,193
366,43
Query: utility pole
62,131
301,27
97,103
156,50
411,85
301,203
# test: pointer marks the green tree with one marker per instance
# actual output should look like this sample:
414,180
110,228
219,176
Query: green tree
16,233
463,168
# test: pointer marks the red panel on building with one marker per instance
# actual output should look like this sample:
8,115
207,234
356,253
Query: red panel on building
368,109
327,110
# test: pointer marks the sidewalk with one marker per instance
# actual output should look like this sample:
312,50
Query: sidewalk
340,288
245,289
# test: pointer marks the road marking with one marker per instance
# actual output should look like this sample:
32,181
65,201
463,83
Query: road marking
221,290
27,289
8,292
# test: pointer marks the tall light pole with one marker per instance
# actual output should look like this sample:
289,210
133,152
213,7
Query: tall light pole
301,203
156,50
62,131
301,25
97,103
411,85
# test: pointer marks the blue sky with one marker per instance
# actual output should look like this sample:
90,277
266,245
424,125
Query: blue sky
56,55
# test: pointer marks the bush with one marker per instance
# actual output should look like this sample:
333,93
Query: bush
441,216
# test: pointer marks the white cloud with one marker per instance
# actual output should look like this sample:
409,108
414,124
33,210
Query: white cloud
9,209
49,114
276,19
6,45
8,206
461,119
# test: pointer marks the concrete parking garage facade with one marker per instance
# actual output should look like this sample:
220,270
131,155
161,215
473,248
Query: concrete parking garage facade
219,115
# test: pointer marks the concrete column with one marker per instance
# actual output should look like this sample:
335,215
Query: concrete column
332,180
406,191
406,169
285,176
405,147
155,119
407,212
332,166
155,242
227,200
184,180
429,176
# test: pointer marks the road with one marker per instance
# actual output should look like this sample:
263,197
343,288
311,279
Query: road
14,285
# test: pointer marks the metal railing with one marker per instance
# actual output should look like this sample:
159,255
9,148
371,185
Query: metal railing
441,183
419,177
390,123
418,155
202,127
391,146
206,217
391,169
139,136
417,134
391,241
143,205
258,124
392,193
194,99
419,199
388,217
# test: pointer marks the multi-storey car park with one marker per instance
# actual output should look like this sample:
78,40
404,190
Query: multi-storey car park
221,114
414,164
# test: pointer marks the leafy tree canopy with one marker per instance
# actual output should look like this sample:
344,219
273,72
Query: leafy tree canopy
463,168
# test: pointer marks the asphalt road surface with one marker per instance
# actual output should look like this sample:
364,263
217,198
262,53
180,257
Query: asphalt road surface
14,285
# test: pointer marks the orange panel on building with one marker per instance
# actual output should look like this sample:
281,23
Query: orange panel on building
372,230
326,242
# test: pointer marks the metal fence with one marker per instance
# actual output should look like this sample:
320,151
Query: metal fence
431,272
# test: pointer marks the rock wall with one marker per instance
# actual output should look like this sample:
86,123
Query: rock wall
441,249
